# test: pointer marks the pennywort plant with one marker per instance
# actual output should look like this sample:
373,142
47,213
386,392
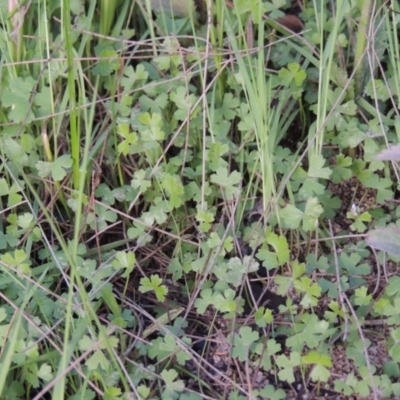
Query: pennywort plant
187,203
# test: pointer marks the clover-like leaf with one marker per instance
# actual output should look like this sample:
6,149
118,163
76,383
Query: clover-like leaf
17,99
293,73
152,127
242,342
319,372
129,139
99,219
45,372
43,102
133,77
311,291
154,284
19,260
311,214
291,217
205,217
172,385
228,182
97,360
317,169
140,182
287,365
57,169
173,187
124,260
184,102
108,61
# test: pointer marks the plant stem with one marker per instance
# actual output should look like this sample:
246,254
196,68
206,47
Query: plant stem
363,26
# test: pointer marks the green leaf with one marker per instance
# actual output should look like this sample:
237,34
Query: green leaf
156,105
235,270
108,61
205,217
228,182
314,357
214,241
163,62
310,188
242,342
143,391
351,264
112,393
206,298
97,360
270,392
310,332
170,346
4,188
157,212
350,135
139,232
155,352
311,291
173,187
377,89
393,288
317,169
105,193
124,106
215,155
280,245
130,139
19,260
273,347
342,169
287,365
85,343
99,220
183,101
313,263
45,372
290,217
133,78
43,103
391,369
311,214
226,302
171,384
362,298
248,336
320,374
292,73
57,169
25,220
152,127
3,314
263,317
124,260
284,283
358,224
229,105
153,284
17,97
15,152
140,181
32,350
298,269
268,258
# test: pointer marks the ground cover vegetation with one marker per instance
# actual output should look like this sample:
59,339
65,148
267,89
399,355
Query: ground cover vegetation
199,201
